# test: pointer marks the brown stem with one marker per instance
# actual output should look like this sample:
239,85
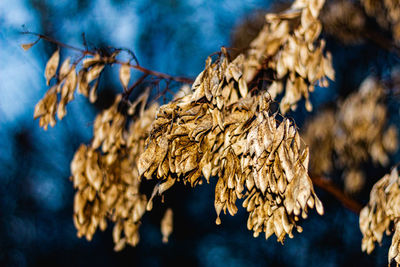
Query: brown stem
160,74
139,81
54,41
137,67
326,185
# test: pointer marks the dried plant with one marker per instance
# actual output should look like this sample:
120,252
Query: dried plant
202,134
106,177
287,46
223,127
356,133
219,129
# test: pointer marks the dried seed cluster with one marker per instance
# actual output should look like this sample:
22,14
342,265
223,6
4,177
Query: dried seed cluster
355,133
106,177
213,133
286,46
187,135
381,211
220,129
49,105
67,80
274,164
386,13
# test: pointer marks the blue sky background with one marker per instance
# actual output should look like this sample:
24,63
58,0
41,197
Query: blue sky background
35,193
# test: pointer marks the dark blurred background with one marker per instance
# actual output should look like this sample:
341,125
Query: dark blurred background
173,36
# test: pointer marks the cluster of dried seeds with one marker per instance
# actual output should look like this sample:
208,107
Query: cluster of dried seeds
241,143
106,177
67,80
219,129
287,46
47,107
274,165
355,133
382,210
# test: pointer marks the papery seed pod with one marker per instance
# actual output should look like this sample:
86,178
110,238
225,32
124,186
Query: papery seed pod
89,62
94,72
294,58
28,46
167,225
51,66
65,68
125,75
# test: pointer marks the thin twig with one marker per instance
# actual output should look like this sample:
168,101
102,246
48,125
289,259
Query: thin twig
139,81
61,44
326,185
93,53
159,74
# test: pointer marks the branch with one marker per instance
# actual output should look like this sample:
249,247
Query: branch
160,74
326,185
139,81
137,66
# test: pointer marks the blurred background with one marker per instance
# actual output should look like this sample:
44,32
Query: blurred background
172,36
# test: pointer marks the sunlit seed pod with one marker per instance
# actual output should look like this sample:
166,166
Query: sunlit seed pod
296,210
319,206
65,68
93,92
28,46
278,200
304,215
310,202
125,75
90,61
278,229
51,66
